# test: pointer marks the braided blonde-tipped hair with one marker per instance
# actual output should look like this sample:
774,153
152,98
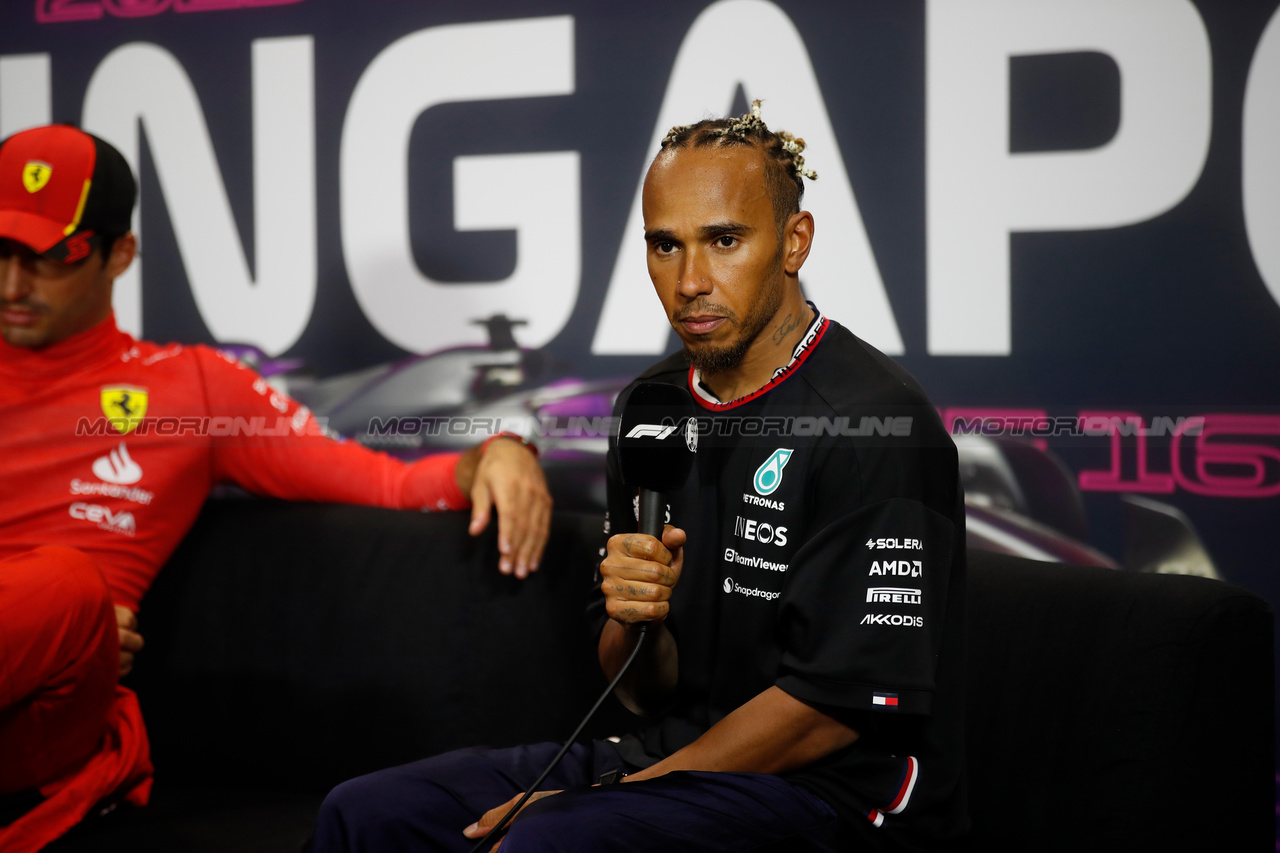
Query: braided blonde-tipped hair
783,154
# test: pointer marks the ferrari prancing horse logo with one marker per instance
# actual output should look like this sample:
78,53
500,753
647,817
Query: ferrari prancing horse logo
35,175
124,406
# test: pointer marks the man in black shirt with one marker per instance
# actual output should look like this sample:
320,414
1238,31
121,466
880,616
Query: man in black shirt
803,665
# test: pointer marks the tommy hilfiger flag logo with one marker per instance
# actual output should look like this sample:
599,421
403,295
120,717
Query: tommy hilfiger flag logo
890,699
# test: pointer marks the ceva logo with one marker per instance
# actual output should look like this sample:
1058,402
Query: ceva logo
116,522
769,475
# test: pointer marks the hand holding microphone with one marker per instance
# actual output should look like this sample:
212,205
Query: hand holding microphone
639,572
657,439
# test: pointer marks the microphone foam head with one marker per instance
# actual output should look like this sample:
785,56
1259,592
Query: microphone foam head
657,436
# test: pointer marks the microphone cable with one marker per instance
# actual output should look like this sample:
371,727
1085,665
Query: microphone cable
511,813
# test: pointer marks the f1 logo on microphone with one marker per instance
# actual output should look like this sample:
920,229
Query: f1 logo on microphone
657,431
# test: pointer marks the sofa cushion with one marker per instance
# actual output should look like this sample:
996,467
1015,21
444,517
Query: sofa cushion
300,645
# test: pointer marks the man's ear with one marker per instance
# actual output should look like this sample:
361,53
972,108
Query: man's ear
798,239
123,251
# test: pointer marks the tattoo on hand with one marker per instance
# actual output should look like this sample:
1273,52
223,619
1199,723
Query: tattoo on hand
787,327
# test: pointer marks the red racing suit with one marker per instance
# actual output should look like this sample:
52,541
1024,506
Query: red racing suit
110,445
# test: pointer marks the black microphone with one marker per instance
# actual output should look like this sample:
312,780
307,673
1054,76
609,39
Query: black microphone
657,438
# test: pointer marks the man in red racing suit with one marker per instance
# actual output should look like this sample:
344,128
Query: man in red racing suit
108,448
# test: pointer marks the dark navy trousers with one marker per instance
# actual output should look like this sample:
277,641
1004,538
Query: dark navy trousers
426,805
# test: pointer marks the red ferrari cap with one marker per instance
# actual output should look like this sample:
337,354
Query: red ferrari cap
61,187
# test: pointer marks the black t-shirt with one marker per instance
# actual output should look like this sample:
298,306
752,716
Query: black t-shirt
825,555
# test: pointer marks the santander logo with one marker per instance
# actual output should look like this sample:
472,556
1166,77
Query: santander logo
117,467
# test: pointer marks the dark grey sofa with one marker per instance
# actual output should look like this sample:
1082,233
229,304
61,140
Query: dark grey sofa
292,646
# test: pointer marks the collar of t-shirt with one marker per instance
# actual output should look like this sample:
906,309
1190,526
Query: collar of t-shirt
806,340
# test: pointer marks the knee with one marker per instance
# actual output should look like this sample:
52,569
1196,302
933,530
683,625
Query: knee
60,587
74,573
333,819
352,815
411,807
347,800
72,562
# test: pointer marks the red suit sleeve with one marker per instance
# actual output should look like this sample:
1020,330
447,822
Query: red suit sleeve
269,444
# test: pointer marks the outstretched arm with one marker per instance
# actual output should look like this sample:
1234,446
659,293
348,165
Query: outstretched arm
295,459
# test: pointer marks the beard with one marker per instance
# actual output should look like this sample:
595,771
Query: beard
712,358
